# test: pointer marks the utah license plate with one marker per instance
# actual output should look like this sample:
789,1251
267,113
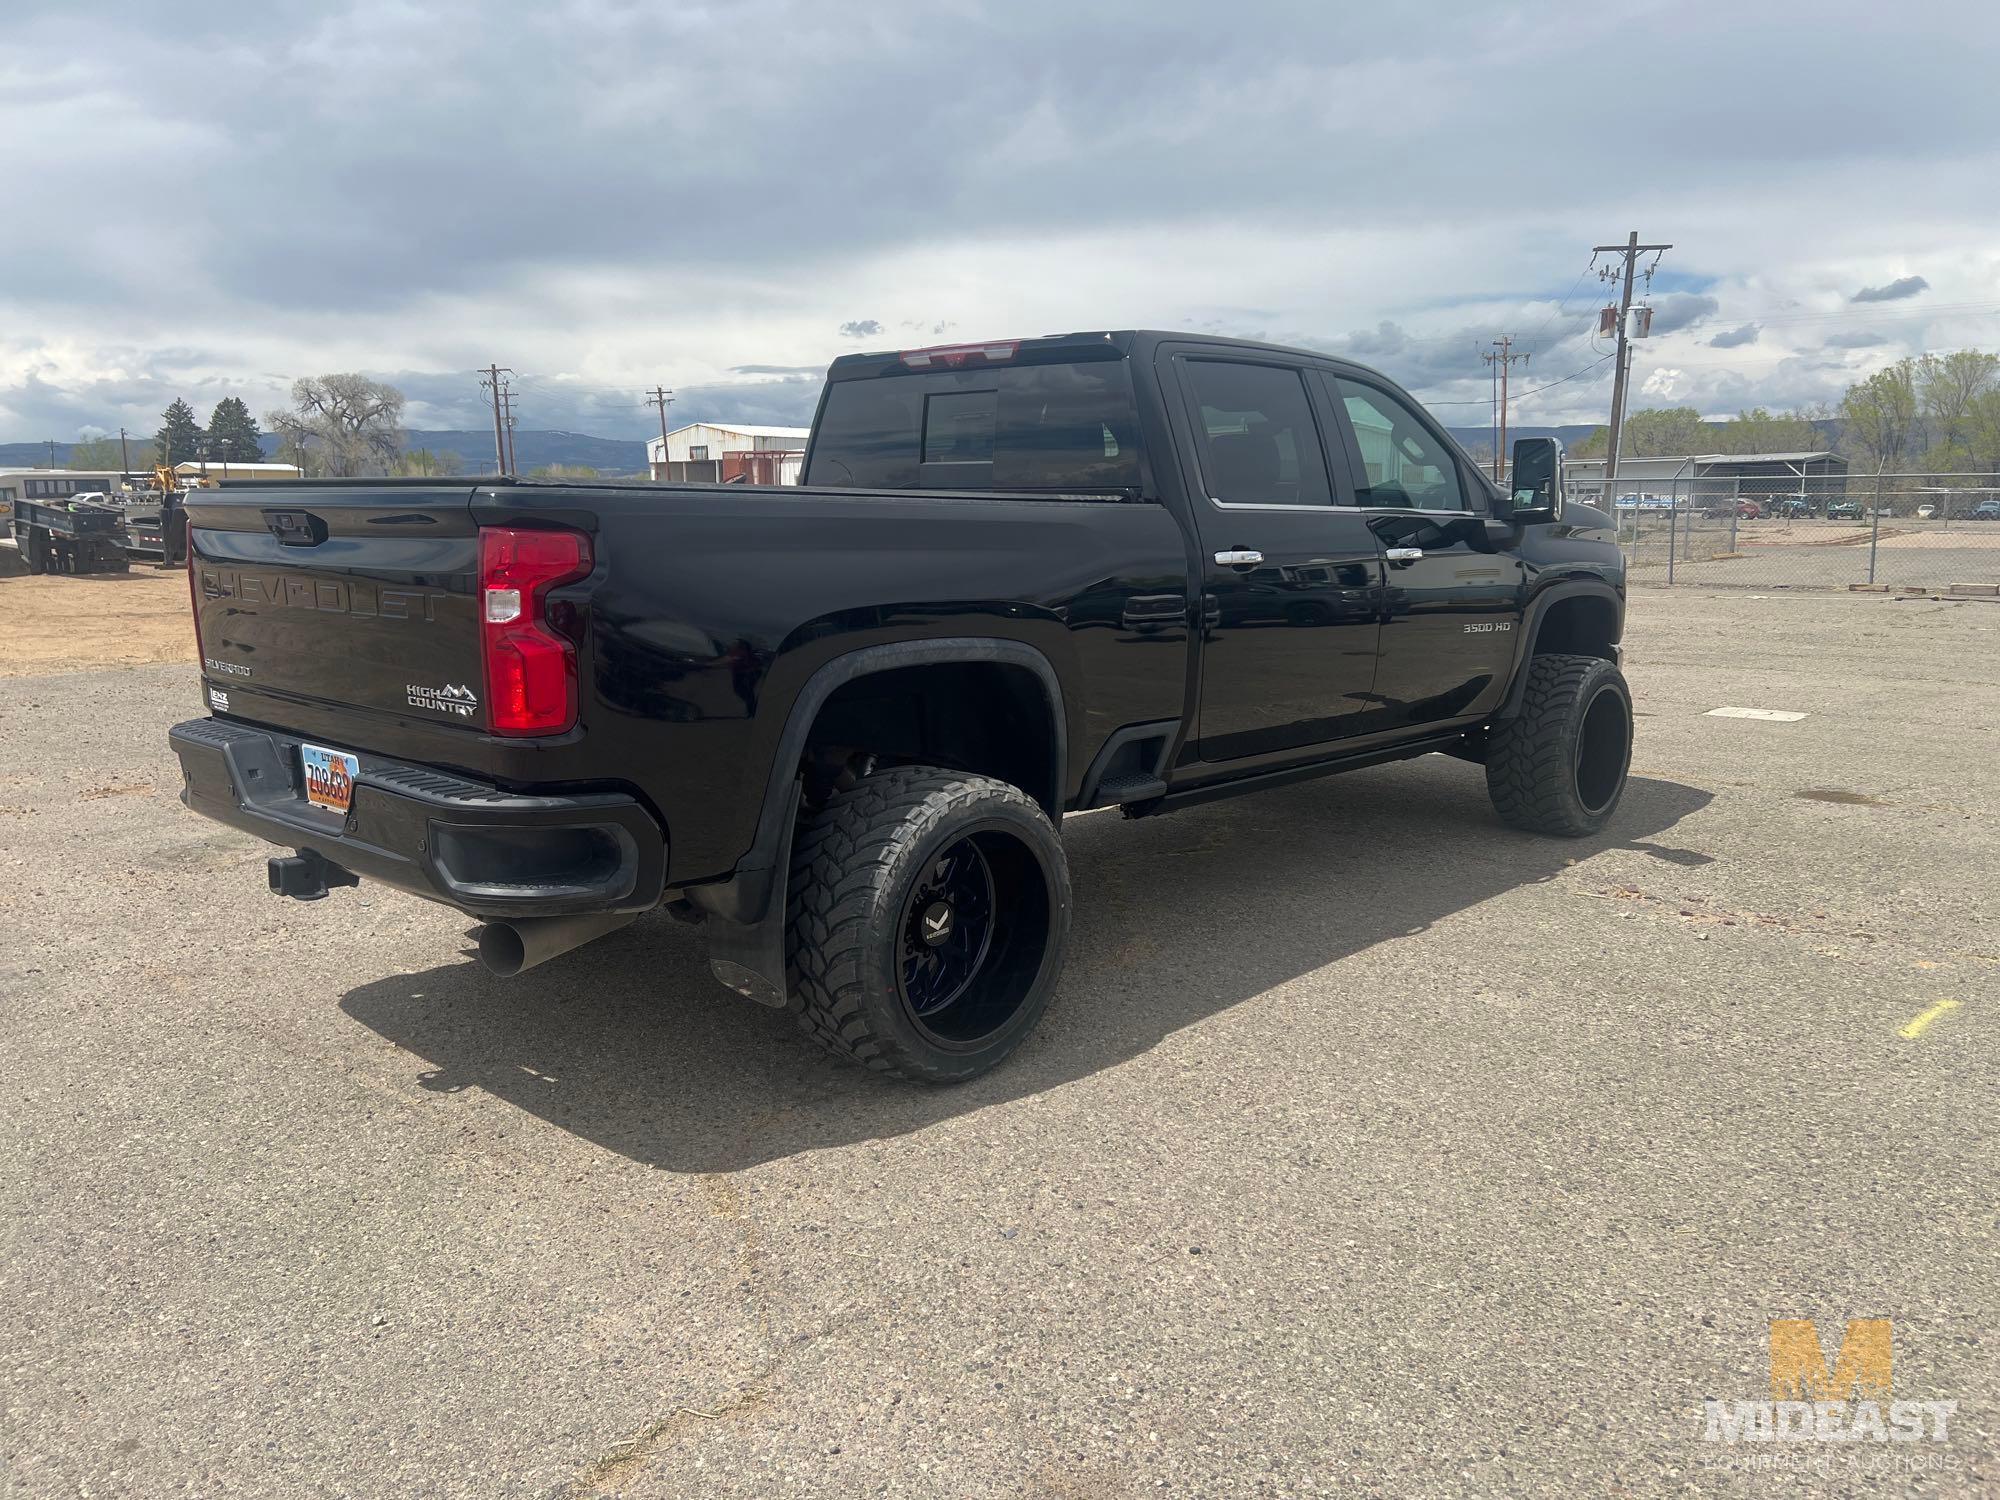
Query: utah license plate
329,777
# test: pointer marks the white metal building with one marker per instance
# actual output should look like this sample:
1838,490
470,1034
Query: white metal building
222,468
1710,473
726,453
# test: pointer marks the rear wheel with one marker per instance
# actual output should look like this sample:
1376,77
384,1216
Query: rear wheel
927,914
1559,766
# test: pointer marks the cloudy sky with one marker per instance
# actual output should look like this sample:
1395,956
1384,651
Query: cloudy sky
217,196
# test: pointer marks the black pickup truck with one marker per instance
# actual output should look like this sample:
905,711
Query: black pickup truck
837,724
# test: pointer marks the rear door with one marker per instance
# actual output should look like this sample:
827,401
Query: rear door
359,595
1452,598
1291,581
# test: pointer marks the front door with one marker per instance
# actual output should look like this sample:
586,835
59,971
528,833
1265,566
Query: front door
1292,582
1452,599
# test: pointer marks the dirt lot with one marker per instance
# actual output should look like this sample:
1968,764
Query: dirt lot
1369,1147
65,624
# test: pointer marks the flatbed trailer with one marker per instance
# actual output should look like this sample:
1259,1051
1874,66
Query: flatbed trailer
70,536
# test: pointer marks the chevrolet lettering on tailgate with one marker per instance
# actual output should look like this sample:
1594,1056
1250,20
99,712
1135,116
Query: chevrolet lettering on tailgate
328,595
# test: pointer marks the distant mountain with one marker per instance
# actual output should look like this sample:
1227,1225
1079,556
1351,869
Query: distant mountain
1478,441
474,448
610,456
36,455
533,449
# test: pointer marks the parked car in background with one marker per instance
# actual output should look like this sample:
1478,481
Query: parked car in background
1926,511
1722,510
1843,510
1793,509
1985,510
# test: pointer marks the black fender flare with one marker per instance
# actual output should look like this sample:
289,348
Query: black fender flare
1531,625
745,914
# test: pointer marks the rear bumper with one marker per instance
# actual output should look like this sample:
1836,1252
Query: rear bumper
436,834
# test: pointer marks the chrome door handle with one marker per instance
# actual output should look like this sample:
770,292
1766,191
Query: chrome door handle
1404,554
1239,557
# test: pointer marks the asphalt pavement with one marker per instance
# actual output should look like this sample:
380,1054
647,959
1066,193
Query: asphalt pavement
1369,1147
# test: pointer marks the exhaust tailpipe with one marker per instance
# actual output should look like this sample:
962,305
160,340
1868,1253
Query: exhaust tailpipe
508,948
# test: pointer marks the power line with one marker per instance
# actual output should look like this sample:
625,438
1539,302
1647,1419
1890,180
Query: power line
1523,395
550,386
1536,337
1565,380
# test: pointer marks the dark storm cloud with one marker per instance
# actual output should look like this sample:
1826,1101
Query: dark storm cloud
395,148
1678,310
1735,338
549,404
1447,370
440,178
1895,291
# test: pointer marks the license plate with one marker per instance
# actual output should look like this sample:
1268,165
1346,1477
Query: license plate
329,777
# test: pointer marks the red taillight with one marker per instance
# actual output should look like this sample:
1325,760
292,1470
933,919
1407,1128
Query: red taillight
530,668
954,356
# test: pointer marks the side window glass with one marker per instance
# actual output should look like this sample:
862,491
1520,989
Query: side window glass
1404,466
1259,443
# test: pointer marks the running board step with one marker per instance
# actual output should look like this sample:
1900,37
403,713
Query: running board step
1130,789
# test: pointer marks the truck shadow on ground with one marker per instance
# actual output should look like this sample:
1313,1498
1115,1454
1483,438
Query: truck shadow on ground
630,1044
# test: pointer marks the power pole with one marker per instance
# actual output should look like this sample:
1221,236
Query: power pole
507,407
662,398
1500,362
492,383
52,455
1631,250
124,453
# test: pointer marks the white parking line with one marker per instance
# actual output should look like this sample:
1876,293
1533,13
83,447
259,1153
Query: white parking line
1775,715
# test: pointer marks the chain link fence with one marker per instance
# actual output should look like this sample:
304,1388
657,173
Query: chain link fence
1897,531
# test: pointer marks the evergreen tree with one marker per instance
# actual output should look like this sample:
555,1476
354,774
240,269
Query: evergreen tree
233,433
179,440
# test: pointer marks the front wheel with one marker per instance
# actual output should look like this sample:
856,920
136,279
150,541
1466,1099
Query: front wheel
1559,765
926,920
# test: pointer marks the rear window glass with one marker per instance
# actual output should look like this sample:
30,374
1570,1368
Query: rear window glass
1066,428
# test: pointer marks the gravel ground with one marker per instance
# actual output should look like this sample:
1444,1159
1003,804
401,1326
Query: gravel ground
1369,1148
1821,554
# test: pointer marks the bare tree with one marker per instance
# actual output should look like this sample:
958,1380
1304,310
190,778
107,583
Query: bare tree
342,425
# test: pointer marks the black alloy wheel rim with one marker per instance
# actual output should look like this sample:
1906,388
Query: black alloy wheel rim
946,936
1601,748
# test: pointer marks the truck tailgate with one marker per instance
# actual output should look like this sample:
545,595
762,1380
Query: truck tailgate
356,595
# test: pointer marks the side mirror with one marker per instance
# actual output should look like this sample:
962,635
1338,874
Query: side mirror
1535,481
